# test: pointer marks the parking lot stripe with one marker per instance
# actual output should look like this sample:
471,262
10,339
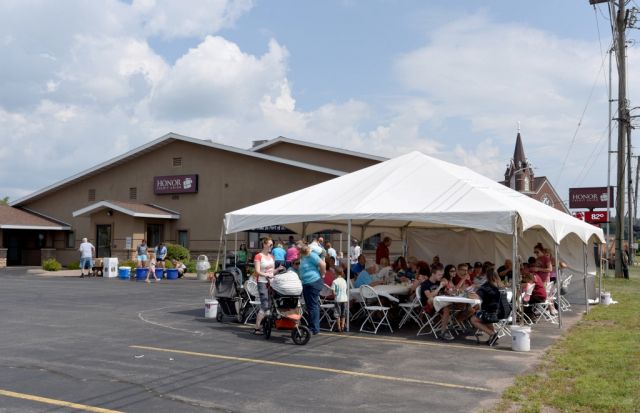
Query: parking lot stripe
55,402
314,368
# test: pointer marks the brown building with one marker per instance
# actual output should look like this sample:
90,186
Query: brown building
174,189
519,176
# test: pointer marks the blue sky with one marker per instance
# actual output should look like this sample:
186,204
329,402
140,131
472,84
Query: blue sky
87,81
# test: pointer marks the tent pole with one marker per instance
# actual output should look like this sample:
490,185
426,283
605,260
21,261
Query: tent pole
584,261
348,272
224,252
516,272
235,258
558,283
341,242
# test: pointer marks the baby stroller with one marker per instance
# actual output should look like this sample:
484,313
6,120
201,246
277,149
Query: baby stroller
286,311
232,299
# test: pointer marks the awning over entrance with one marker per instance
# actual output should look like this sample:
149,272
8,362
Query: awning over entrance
129,208
15,218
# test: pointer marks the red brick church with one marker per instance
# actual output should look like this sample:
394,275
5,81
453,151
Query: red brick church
519,176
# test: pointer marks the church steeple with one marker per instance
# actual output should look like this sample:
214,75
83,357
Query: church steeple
519,174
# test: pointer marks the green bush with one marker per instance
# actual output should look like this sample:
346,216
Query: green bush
128,263
191,265
51,265
73,266
178,252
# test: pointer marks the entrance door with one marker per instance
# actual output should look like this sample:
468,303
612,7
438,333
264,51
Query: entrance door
103,241
155,234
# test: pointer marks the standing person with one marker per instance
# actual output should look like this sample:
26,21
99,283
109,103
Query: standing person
339,287
542,265
332,252
161,255
86,256
383,250
279,255
152,271
264,265
354,251
312,269
141,253
292,255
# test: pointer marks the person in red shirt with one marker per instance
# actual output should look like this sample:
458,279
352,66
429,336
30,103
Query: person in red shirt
383,250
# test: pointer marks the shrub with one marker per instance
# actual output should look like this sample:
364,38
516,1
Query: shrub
51,265
128,263
191,265
73,266
178,252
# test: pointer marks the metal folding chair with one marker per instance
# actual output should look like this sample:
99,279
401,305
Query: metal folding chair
254,300
327,307
411,310
370,295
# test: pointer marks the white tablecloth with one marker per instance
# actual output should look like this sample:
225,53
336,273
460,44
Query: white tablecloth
445,300
388,291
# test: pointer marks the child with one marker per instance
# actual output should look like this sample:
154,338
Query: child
339,287
152,270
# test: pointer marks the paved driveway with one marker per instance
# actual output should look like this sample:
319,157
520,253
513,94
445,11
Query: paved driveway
96,343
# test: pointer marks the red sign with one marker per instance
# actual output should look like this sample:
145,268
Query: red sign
590,197
592,217
176,184
596,217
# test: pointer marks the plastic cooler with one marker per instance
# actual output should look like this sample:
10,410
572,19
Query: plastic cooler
159,272
110,267
172,274
124,273
141,273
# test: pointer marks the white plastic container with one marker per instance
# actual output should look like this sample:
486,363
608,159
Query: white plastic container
520,338
605,298
210,308
202,267
110,267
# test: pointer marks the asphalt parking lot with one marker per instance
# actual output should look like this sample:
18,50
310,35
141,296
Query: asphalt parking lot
104,345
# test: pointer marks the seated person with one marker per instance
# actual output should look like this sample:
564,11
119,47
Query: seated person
505,271
360,265
330,273
462,280
538,293
489,292
412,264
180,267
401,269
430,288
364,278
385,272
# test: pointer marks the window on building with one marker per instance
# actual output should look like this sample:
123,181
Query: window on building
526,184
71,239
177,162
92,195
372,242
183,238
133,193
254,240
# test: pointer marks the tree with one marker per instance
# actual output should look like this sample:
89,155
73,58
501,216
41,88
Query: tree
5,200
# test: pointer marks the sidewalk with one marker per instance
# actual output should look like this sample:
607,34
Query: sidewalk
38,271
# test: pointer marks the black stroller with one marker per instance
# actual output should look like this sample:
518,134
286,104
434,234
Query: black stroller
232,298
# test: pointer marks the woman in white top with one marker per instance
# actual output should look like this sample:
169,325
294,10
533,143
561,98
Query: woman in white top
264,265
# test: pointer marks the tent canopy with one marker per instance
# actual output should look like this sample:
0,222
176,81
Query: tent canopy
411,191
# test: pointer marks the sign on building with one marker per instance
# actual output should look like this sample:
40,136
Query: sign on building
175,184
590,197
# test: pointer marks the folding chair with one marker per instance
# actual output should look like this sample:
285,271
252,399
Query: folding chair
370,295
564,304
544,309
411,310
254,299
430,323
327,307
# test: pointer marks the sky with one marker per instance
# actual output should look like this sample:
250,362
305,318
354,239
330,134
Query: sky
82,81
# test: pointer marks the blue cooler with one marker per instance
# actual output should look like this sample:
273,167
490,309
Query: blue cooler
124,273
159,272
141,273
172,274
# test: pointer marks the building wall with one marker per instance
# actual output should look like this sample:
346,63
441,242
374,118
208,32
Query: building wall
320,157
226,181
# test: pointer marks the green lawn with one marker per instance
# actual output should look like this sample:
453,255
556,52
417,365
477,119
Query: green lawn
595,368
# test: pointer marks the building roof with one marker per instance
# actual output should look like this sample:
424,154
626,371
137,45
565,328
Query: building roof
130,208
161,141
282,139
15,218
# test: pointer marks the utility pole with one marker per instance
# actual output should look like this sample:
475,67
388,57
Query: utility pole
635,198
622,128
632,212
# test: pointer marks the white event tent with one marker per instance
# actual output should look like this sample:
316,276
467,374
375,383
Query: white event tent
415,194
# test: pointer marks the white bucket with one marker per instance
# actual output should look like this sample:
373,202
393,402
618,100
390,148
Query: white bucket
210,308
520,338
605,298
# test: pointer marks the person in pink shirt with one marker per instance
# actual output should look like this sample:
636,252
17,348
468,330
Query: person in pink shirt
292,254
330,273
542,266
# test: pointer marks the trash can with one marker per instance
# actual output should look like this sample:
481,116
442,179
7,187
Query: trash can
202,267
520,338
110,267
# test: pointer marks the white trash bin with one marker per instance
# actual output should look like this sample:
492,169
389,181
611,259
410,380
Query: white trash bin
202,267
210,308
605,298
110,267
520,338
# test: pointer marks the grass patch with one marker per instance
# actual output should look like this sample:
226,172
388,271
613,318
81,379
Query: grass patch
594,368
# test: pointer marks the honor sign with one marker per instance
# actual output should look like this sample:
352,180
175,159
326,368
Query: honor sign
590,197
176,184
